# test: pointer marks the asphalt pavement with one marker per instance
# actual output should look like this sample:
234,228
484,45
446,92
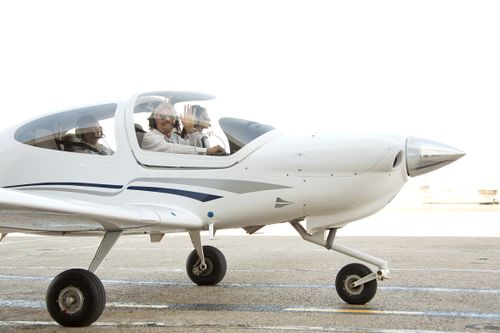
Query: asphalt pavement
273,284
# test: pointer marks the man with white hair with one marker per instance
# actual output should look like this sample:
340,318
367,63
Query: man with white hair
161,136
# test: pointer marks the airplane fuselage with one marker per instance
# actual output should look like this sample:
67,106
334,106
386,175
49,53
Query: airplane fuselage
329,179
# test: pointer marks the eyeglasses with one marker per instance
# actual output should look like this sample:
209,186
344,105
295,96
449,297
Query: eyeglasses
164,117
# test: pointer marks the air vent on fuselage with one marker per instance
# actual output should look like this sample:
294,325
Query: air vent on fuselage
397,159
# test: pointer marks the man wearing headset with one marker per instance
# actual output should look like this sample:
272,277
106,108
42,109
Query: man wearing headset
163,138
89,132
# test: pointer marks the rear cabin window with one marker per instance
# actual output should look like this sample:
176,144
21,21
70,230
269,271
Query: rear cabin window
88,130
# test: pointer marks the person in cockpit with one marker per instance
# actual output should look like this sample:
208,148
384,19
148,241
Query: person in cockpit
88,132
162,137
199,122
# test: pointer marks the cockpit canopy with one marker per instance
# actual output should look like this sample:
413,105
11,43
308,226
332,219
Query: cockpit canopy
62,131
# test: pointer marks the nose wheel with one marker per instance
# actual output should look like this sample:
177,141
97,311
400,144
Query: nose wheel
348,290
76,298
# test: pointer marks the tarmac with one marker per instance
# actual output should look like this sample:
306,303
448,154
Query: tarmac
273,284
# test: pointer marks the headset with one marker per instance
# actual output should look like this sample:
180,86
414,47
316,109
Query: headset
152,122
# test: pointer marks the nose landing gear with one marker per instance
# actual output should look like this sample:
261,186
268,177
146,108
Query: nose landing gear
355,283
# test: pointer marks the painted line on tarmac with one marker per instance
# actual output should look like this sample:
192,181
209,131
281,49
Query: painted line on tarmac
4,277
380,288
453,270
253,271
491,291
285,270
110,269
210,307
146,324
441,290
452,314
25,241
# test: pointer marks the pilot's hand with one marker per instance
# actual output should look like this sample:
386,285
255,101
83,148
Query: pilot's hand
216,150
188,118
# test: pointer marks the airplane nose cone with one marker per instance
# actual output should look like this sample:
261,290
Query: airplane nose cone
424,156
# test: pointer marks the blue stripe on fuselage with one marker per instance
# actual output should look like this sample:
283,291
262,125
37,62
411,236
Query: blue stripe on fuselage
68,184
204,197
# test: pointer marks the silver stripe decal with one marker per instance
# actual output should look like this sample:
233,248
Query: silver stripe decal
229,185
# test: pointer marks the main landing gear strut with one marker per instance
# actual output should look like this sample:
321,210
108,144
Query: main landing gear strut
76,297
355,283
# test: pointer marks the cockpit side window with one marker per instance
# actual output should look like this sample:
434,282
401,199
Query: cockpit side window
164,127
238,132
88,130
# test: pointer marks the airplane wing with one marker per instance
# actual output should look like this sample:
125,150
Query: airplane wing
25,212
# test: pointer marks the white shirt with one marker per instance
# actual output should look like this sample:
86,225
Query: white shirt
197,139
156,141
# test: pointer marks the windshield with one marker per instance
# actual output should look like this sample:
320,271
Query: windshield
240,132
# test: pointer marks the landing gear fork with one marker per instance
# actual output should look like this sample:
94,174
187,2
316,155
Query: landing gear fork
359,281
196,240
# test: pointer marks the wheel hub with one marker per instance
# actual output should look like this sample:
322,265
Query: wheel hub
203,271
70,300
349,285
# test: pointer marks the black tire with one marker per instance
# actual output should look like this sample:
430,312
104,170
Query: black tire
355,295
216,266
86,288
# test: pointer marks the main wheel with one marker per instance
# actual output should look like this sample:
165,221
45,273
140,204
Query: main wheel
216,267
344,284
76,298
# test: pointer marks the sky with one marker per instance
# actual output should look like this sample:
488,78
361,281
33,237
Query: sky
424,68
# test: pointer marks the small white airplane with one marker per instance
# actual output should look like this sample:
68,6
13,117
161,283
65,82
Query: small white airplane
318,183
